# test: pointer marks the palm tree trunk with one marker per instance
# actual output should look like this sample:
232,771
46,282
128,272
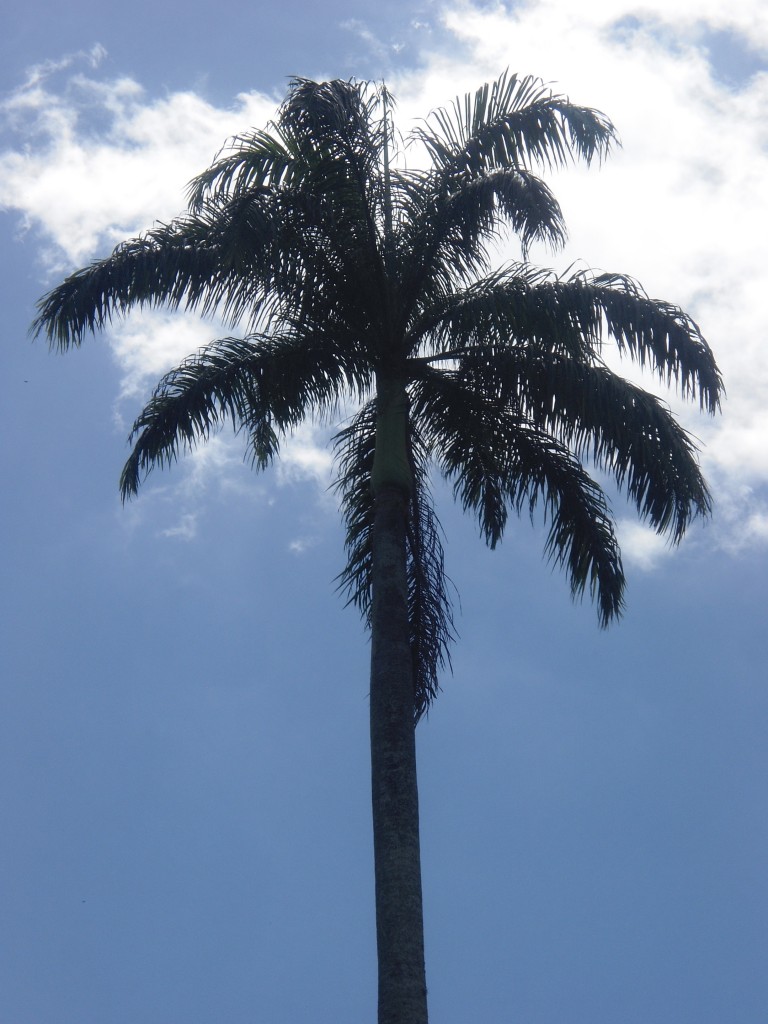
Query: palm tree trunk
399,917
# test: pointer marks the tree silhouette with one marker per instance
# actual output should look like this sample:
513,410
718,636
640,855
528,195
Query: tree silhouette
352,278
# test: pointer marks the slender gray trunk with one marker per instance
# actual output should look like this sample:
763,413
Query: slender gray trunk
399,917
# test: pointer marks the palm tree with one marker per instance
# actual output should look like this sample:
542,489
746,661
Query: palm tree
356,280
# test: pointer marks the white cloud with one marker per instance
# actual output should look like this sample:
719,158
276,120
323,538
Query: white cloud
305,455
301,544
743,513
683,207
176,503
149,343
378,49
99,160
641,547
185,529
38,73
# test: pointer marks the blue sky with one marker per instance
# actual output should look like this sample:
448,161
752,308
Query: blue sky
183,728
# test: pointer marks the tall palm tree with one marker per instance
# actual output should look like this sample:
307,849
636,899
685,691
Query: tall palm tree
353,278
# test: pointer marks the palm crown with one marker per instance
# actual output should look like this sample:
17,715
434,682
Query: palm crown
354,278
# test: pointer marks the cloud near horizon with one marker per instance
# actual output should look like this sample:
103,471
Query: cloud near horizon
683,206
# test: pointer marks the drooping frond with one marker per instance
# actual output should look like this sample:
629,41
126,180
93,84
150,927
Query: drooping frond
174,264
263,385
499,462
655,333
515,197
517,305
460,429
429,604
581,538
572,315
429,601
623,429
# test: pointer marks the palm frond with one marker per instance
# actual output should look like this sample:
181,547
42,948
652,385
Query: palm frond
514,122
430,612
460,428
525,306
262,384
517,305
499,462
582,538
251,163
173,264
599,415
430,609
341,118
321,128
655,333
443,236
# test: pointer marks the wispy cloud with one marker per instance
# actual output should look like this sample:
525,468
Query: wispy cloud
301,545
185,529
38,73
